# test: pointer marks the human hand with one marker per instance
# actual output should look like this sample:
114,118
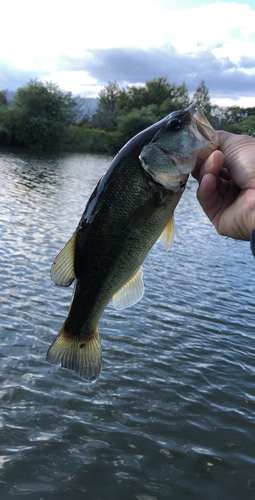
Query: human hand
226,189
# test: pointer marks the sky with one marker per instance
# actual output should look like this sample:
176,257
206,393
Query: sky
83,44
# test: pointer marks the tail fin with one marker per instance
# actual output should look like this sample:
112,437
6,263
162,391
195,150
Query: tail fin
83,355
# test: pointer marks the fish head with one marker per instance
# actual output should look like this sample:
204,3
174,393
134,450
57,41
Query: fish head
182,137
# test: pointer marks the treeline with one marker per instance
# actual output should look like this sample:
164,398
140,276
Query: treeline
43,116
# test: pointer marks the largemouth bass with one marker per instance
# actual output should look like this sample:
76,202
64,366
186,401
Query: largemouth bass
131,207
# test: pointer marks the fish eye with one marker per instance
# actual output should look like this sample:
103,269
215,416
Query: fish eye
175,125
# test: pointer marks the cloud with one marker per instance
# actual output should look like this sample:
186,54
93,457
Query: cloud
213,41
129,65
247,62
13,77
133,65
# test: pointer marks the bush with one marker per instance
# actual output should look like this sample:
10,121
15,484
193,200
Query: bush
247,126
136,121
92,140
38,117
5,126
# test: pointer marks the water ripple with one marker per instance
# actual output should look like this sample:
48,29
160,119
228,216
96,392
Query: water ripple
172,415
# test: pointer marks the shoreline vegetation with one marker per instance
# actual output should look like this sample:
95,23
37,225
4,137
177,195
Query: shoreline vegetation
42,116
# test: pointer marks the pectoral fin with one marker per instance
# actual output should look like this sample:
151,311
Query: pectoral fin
62,269
131,292
167,237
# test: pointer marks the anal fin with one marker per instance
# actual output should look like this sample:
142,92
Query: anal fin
83,355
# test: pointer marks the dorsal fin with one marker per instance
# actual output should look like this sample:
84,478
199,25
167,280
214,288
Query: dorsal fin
167,237
131,292
62,269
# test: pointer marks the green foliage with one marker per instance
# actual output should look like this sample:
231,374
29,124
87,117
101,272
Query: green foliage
132,98
92,140
115,103
5,126
247,126
108,97
182,96
235,114
136,121
3,98
230,118
155,92
107,113
39,116
170,105
202,98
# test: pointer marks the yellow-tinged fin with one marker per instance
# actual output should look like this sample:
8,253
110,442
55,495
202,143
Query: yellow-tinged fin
62,269
131,292
83,355
167,237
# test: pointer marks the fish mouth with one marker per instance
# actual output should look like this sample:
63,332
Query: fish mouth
203,131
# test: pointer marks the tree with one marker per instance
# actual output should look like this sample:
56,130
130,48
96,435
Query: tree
5,126
235,114
3,98
5,122
106,114
182,95
202,98
108,96
154,92
250,111
132,98
40,115
170,105
158,90
136,121
178,100
247,126
115,102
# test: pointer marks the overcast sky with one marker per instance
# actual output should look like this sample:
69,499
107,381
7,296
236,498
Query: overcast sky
83,44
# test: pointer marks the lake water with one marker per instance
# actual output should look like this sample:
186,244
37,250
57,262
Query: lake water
173,413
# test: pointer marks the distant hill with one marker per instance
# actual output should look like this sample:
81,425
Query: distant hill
88,105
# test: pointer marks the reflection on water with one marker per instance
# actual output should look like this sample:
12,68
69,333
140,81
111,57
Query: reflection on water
172,415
